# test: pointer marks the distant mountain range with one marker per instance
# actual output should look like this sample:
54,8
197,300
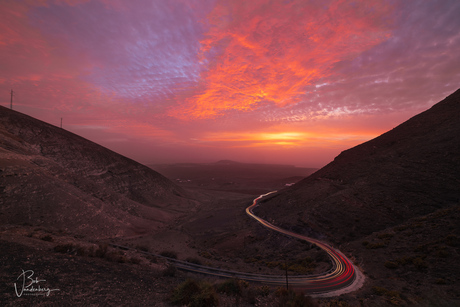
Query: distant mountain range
54,178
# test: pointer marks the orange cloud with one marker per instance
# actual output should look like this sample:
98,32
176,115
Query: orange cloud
266,52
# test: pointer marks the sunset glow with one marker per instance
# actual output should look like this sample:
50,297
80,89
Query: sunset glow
293,82
270,52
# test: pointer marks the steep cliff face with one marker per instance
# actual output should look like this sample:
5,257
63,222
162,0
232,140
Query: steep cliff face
49,176
410,171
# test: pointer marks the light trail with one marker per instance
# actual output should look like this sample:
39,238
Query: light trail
341,276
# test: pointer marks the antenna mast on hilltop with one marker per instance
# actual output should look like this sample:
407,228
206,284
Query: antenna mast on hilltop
11,101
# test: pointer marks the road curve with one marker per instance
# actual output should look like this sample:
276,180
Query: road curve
342,275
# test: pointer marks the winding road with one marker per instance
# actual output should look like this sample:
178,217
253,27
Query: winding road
342,276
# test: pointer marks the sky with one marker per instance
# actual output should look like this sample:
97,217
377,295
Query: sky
266,81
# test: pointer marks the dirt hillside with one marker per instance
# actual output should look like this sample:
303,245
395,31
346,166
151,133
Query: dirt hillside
51,177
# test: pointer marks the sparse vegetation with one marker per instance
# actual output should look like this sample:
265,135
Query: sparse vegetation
452,240
135,260
193,260
391,264
205,254
142,248
264,290
47,238
440,281
64,248
195,294
231,286
169,254
385,236
170,271
383,291
374,245
291,298
420,263
102,251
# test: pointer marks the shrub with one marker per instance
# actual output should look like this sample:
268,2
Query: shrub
81,251
47,238
420,263
375,245
298,268
250,260
272,264
393,293
182,294
385,236
64,248
142,248
379,290
135,260
205,254
101,251
169,254
112,256
264,290
391,265
405,260
384,291
193,293
401,228
193,260
170,271
206,297
452,240
230,287
121,259
440,281
152,259
290,298
443,253
91,251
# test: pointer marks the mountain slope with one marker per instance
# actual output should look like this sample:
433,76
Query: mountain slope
410,171
51,177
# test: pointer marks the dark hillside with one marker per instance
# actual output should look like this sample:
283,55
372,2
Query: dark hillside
49,176
410,171
391,204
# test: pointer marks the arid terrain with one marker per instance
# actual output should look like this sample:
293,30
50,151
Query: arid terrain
390,204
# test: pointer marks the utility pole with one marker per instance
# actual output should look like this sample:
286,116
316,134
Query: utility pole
11,101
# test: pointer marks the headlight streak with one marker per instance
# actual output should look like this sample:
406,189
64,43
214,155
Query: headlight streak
342,275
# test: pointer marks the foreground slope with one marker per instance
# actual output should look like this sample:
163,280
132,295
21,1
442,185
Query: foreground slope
54,178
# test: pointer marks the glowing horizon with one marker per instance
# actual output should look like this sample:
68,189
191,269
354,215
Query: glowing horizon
291,82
